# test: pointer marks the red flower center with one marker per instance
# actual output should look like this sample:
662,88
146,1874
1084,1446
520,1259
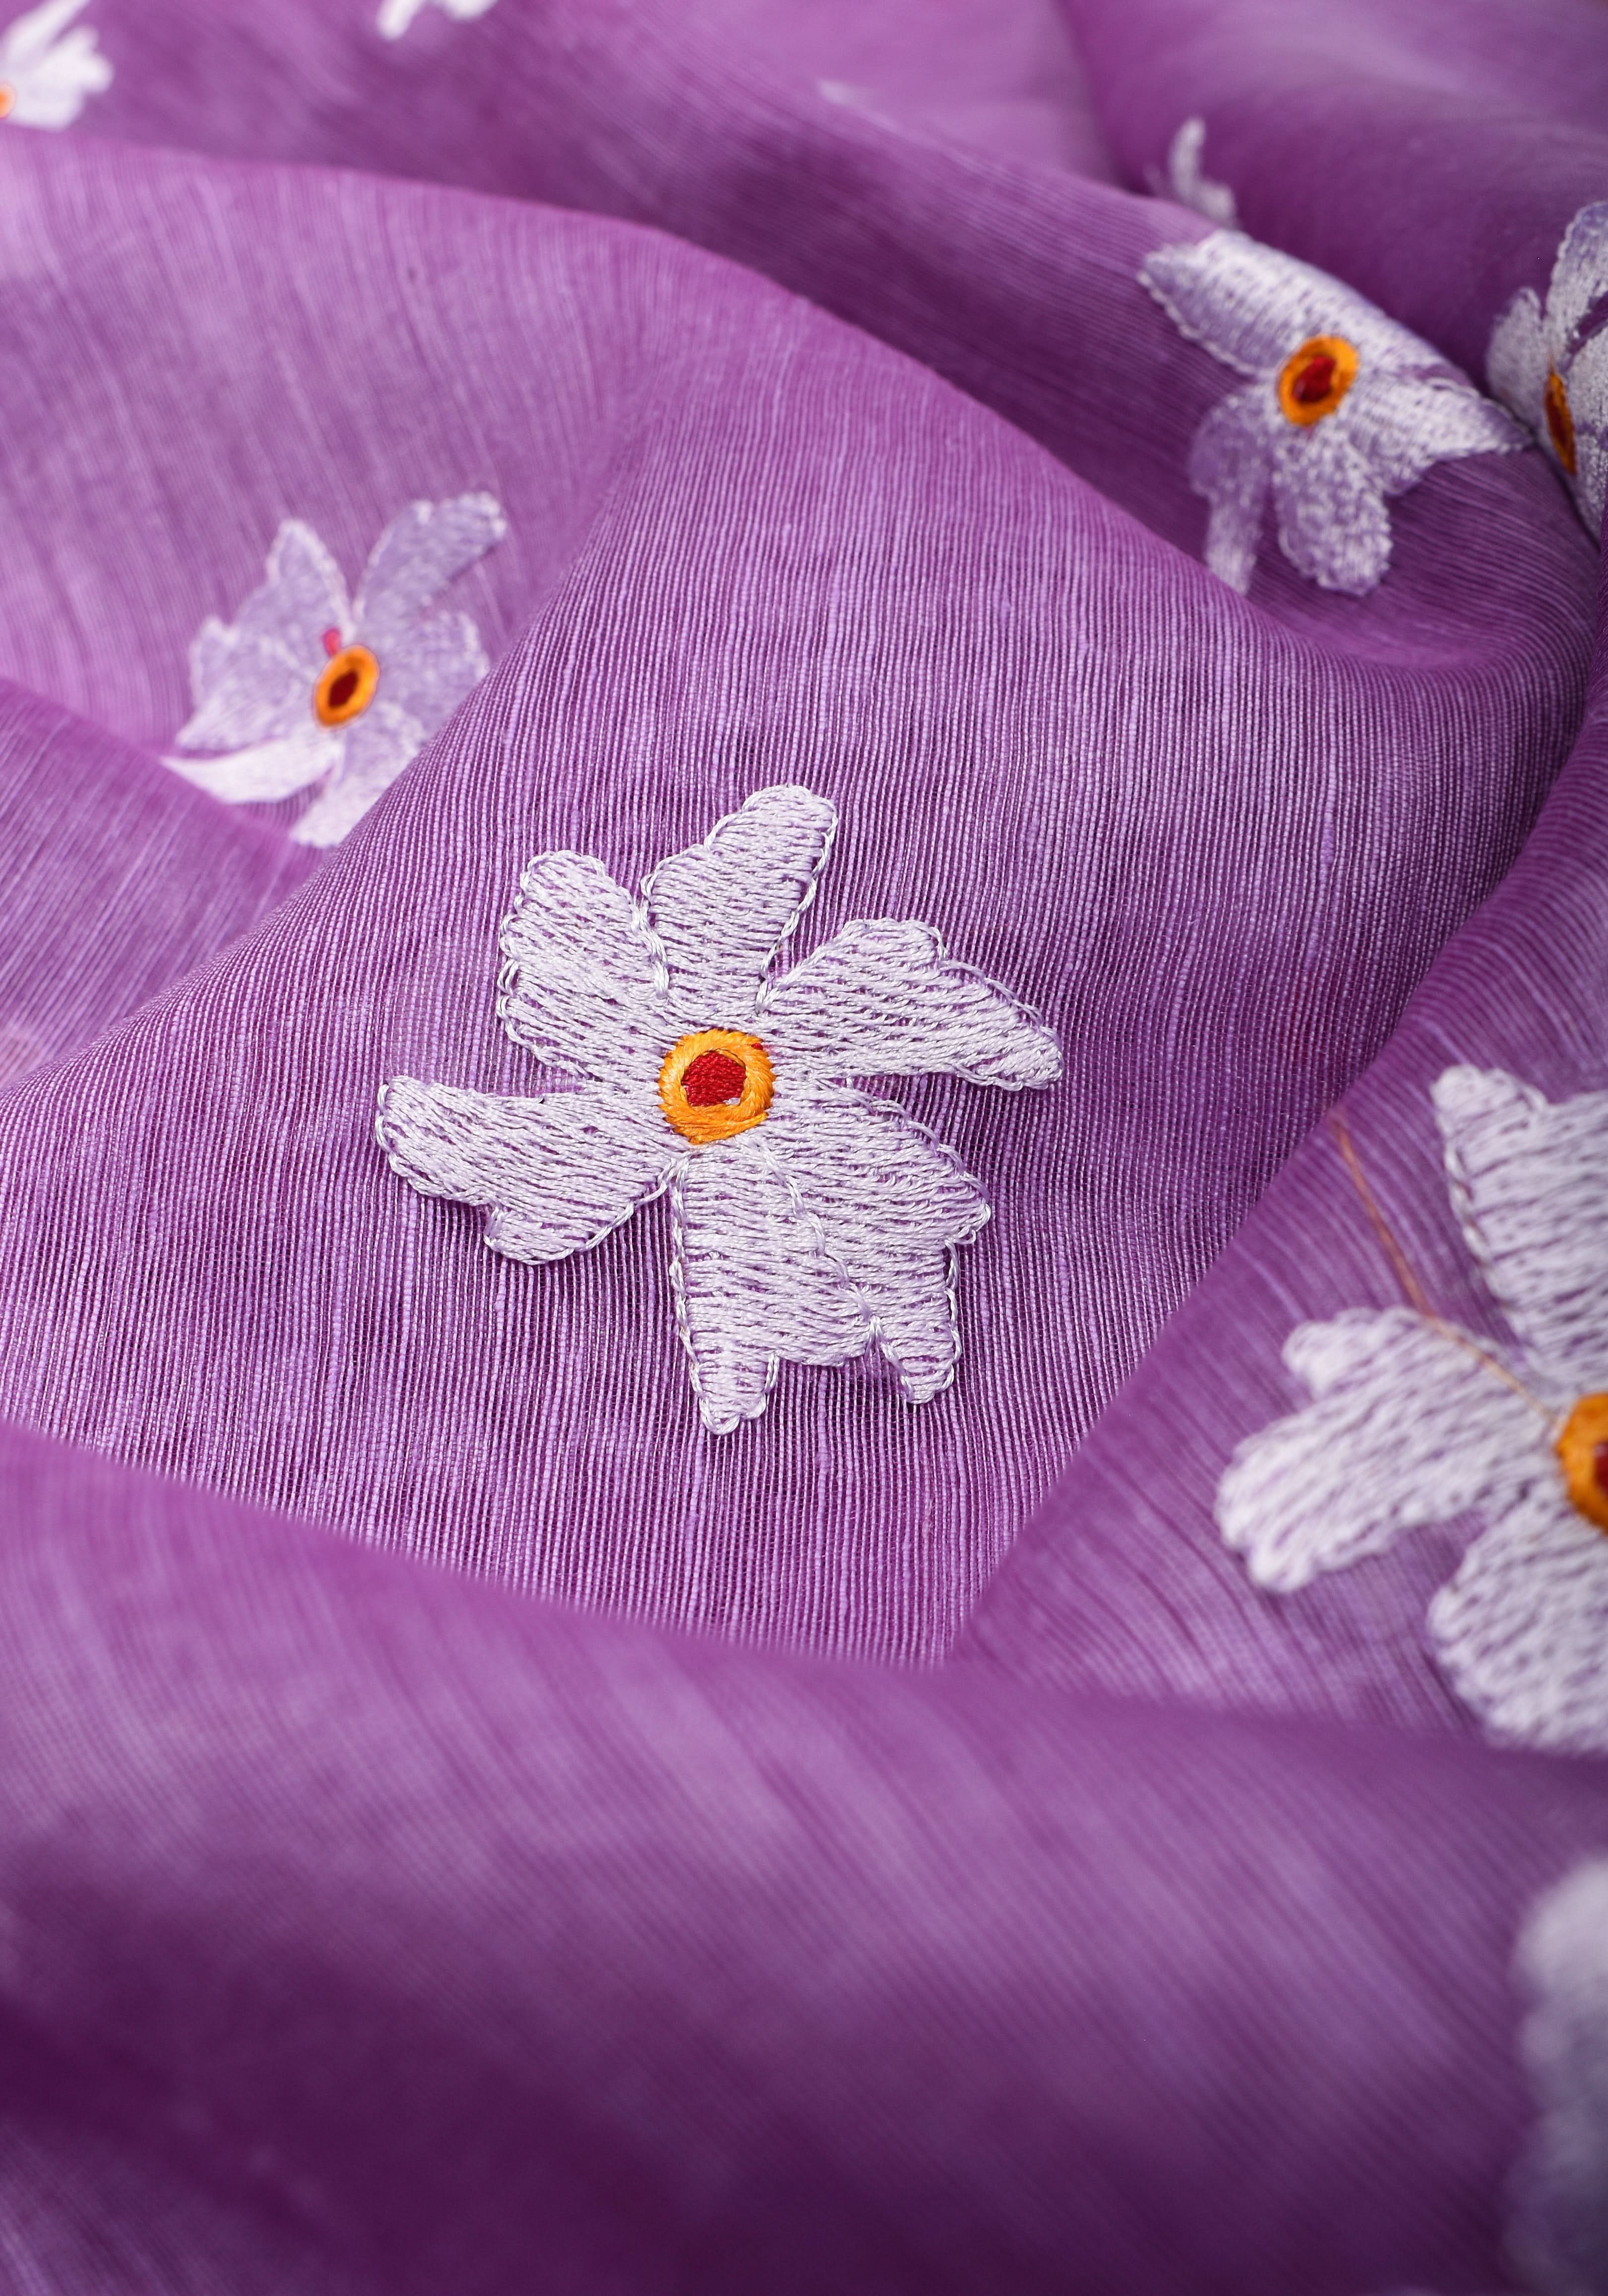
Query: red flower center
715,1077
1313,380
1599,1467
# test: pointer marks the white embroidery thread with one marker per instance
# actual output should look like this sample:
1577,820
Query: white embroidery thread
396,15
809,1221
1414,1422
1342,409
308,686
1560,2229
47,73
1551,363
1186,180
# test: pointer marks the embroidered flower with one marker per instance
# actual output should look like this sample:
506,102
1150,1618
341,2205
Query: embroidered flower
45,70
1551,364
1343,408
1416,1423
808,1220
306,687
1184,180
1559,2235
396,15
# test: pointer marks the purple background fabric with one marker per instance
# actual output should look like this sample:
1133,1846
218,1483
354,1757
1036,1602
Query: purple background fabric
368,1929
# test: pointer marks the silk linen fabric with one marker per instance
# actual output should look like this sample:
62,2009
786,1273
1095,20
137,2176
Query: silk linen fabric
885,1848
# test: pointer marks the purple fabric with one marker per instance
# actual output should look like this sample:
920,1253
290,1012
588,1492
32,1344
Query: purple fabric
745,544
370,1929
1432,154
888,1848
1123,1582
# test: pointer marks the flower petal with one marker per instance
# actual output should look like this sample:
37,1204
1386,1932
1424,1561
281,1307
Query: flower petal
1332,524
51,92
1231,463
880,998
30,36
1247,305
1585,380
266,772
416,557
1517,361
429,669
1188,181
1523,1629
581,989
1409,1427
1580,278
557,1174
1558,2229
1530,1186
754,1284
378,746
1401,424
722,909
253,679
891,1201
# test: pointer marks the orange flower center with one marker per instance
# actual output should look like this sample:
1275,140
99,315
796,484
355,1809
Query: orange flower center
1314,379
1560,420
349,683
1583,1454
8,97
714,1084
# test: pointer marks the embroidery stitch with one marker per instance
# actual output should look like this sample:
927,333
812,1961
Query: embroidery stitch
1342,409
1550,363
306,686
1416,1422
810,1222
1187,181
1559,2232
396,15
47,72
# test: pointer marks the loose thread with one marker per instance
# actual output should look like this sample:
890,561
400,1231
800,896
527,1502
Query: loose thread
1413,1291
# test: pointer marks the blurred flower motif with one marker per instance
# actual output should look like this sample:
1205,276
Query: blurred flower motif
809,1221
304,686
1550,362
45,70
1343,409
1416,1422
1186,180
396,15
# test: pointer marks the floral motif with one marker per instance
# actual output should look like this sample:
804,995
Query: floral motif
1186,180
1559,2234
808,1220
1343,409
396,15
1551,364
45,70
304,686
1415,1422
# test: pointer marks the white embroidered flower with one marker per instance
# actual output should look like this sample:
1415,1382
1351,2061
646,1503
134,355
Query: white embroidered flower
396,15
46,71
1186,180
1416,1423
306,686
1551,365
1343,408
808,1220
1559,2235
